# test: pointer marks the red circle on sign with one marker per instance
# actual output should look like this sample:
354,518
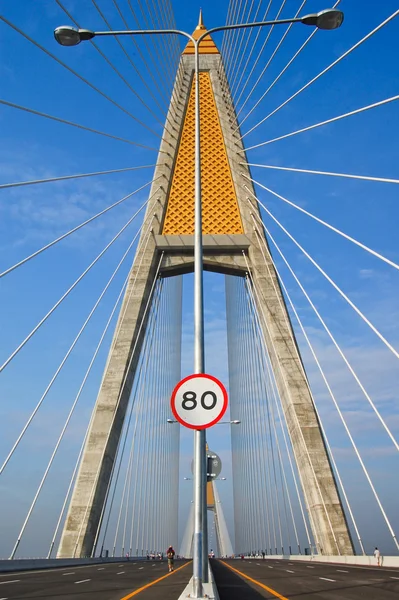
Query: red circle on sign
221,412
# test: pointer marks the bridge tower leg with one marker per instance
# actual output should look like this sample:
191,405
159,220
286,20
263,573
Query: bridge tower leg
231,246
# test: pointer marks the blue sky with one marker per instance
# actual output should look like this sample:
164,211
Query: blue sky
33,147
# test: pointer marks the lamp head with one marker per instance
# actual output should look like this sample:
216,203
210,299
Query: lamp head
330,18
70,36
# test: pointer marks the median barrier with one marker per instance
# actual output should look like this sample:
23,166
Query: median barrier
210,589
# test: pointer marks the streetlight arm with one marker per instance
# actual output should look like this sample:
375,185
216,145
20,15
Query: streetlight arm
71,36
141,32
244,25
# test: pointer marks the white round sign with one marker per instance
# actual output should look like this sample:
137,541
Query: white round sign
199,401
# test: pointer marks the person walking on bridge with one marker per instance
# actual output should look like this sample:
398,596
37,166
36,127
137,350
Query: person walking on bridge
377,555
170,554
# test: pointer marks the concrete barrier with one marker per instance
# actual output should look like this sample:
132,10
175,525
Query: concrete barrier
361,561
29,564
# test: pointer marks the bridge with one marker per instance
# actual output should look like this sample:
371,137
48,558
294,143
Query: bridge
185,196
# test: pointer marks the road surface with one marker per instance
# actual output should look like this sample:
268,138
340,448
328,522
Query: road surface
107,581
295,580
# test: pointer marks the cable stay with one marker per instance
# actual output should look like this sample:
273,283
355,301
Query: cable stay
142,79
260,237
148,304
72,409
238,69
297,53
333,120
274,388
59,368
69,290
137,403
86,81
335,229
243,70
264,248
352,371
237,35
79,176
53,118
329,173
296,418
330,66
258,58
145,236
92,415
241,53
63,236
270,59
329,279
330,392
109,62
163,95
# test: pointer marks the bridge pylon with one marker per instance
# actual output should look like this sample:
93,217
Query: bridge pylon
231,246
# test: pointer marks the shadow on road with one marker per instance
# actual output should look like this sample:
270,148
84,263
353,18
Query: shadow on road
231,586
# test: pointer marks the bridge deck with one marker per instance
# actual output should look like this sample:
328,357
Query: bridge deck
287,580
145,580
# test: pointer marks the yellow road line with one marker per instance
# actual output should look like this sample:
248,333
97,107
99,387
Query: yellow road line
153,583
276,594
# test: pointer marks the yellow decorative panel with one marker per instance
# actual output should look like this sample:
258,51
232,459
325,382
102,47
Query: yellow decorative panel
220,212
210,498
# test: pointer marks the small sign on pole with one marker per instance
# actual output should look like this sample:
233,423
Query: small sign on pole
199,401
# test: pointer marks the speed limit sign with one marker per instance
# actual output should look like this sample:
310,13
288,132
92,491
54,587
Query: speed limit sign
199,401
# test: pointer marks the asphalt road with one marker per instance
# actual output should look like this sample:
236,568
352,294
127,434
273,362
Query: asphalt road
107,581
296,580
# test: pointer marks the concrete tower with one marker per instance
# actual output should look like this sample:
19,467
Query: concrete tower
228,234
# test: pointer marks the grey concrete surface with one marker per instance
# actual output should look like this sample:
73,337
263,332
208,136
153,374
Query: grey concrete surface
27,564
300,581
97,582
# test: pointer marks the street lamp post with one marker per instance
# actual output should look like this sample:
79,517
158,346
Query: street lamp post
70,36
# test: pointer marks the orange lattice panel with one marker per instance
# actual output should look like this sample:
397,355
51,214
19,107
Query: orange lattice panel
210,498
220,212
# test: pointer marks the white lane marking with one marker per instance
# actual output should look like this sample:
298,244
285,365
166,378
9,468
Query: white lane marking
258,564
270,567
11,581
309,567
135,563
341,571
120,565
121,573
288,571
325,579
83,581
68,574
36,571
394,578
141,568
101,569
3,598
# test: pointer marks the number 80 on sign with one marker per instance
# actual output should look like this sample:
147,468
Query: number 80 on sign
199,401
